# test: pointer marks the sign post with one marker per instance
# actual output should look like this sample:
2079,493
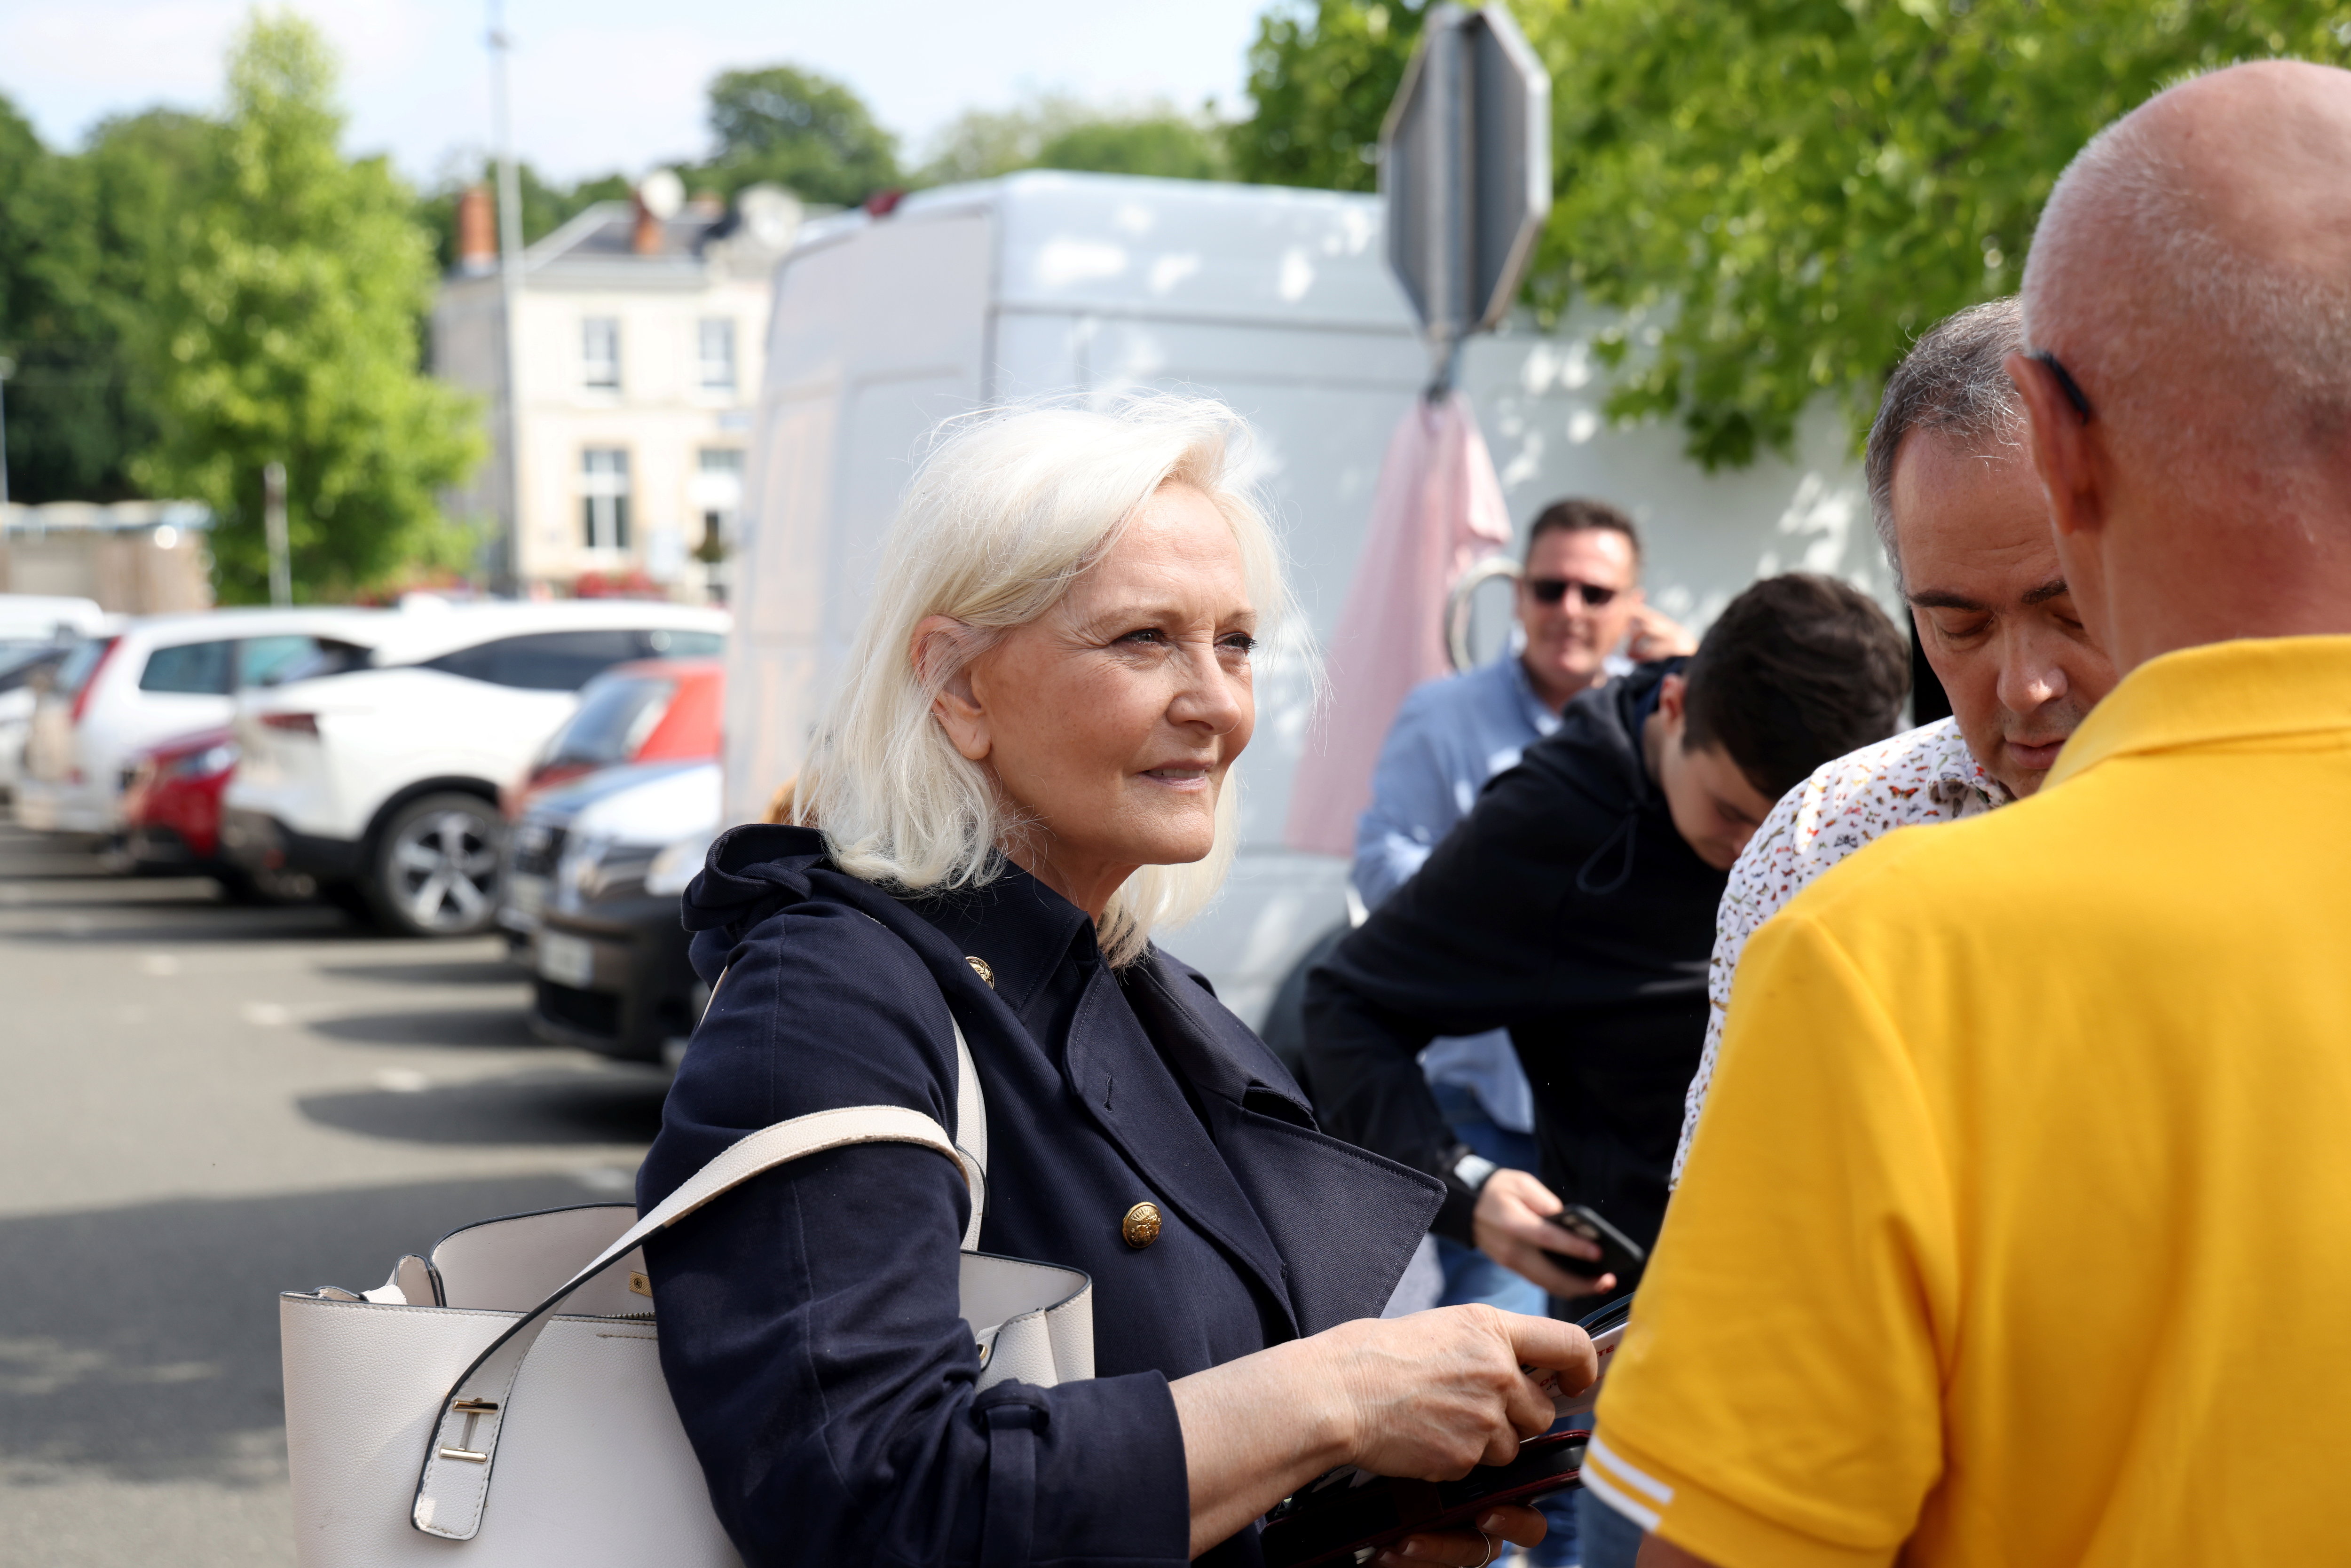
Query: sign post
1465,165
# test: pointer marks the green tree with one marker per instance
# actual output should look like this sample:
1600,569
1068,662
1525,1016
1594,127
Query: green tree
1056,131
1779,195
46,318
136,178
289,333
1321,75
807,132
1168,145
1784,192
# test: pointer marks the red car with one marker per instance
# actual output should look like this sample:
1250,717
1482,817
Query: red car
654,710
173,806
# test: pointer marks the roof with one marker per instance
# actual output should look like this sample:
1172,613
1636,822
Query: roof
414,635
597,249
21,517
1129,244
204,625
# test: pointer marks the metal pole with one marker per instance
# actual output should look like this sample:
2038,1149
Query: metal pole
1442,160
7,369
273,528
506,574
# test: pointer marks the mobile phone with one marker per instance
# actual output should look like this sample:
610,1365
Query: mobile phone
1346,1515
1619,1254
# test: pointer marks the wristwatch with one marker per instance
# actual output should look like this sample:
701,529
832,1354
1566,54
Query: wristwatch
1464,1173
1472,1169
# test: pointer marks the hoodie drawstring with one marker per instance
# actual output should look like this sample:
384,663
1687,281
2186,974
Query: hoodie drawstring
1628,830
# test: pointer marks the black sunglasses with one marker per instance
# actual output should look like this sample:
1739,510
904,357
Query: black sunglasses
1551,589
2065,382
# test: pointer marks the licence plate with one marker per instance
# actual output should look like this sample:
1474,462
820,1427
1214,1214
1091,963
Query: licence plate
526,894
566,960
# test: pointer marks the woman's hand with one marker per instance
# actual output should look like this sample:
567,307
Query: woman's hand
1435,1394
1513,1225
1431,1396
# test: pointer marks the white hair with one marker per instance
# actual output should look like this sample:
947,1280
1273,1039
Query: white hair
2188,293
1008,509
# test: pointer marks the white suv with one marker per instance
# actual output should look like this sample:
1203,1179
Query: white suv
148,680
382,782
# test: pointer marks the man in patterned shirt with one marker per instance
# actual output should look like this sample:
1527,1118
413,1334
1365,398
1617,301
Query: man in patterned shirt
1962,515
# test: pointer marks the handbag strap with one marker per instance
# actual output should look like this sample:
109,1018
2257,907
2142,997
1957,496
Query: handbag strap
453,1485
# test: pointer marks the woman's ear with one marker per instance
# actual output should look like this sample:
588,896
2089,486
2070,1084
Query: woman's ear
941,639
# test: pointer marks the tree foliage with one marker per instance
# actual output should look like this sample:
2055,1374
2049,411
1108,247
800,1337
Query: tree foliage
288,331
1056,131
81,240
807,132
1787,192
1779,195
1321,74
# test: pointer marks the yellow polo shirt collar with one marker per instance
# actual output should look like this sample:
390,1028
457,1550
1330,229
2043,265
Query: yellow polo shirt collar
2243,690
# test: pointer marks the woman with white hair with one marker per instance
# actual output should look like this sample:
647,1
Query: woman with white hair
1026,770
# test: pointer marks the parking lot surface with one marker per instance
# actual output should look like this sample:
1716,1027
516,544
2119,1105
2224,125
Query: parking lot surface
206,1104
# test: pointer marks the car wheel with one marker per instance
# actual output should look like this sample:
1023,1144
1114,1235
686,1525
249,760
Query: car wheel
437,868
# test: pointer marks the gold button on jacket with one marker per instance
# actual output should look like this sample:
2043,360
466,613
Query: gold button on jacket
1141,1226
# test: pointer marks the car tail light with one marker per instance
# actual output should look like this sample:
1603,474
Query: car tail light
90,681
291,723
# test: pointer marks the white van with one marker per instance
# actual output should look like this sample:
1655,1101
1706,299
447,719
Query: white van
1280,303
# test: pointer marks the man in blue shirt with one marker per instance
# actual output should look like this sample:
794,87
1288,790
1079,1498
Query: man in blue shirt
1581,618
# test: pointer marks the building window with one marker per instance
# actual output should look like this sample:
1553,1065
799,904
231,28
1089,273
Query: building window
718,494
717,344
599,351
604,498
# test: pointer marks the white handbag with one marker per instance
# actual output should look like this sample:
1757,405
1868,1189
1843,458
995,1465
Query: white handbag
411,1409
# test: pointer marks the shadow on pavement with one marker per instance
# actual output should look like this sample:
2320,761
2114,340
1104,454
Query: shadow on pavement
506,1027
452,972
220,925
550,1107
143,1342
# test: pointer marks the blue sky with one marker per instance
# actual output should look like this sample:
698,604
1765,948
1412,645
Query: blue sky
606,84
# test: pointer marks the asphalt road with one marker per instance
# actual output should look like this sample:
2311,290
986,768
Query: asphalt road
202,1105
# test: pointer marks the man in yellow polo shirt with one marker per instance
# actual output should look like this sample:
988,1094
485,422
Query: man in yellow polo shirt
2017,1229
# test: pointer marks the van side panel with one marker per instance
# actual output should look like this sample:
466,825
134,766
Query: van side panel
873,339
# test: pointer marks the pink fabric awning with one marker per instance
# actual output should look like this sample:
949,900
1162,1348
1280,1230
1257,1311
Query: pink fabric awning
1437,512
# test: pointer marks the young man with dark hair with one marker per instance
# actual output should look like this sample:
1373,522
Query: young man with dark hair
1574,906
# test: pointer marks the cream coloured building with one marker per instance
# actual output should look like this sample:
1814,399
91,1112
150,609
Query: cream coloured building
639,356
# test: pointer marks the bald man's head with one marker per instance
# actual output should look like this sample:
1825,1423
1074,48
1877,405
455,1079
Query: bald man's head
2188,293
2193,266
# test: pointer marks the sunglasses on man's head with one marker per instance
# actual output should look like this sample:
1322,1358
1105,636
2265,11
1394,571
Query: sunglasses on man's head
1551,589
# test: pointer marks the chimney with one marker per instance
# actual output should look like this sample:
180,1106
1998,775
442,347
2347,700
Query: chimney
478,241
658,201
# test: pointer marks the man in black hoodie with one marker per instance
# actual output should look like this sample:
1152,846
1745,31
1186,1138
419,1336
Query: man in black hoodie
1575,905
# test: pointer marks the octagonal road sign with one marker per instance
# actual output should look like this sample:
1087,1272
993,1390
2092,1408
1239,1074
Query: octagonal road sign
1465,165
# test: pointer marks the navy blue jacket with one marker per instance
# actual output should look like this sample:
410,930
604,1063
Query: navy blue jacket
810,1332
